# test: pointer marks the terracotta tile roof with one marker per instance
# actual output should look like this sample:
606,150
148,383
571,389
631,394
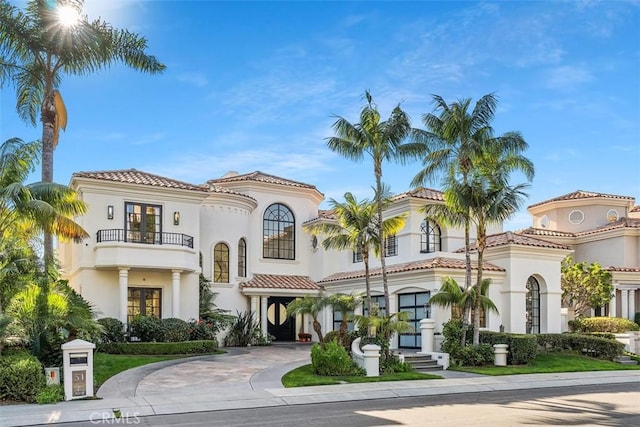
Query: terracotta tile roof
261,177
323,214
635,209
580,194
273,281
621,223
217,189
624,269
427,264
421,193
133,176
545,232
510,238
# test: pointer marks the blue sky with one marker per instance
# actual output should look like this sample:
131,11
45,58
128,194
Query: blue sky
255,86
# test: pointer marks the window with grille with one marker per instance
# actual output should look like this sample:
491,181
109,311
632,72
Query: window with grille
278,240
430,237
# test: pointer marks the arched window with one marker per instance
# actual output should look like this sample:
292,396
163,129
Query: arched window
533,306
278,238
430,240
221,263
242,258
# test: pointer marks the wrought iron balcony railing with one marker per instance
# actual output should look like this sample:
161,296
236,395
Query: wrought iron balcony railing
147,237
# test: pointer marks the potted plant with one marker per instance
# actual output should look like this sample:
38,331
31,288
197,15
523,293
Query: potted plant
304,337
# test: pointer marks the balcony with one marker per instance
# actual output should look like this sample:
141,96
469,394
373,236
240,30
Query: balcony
149,238
117,248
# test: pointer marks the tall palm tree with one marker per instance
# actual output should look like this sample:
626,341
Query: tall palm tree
380,140
356,229
312,306
37,49
454,137
346,305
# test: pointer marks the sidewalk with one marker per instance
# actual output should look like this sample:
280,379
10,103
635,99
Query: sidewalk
244,379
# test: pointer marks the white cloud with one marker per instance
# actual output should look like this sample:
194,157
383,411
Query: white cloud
193,78
567,77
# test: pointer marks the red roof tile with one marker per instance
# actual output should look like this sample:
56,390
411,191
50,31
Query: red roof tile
421,193
545,232
273,281
635,209
133,176
624,269
580,194
621,223
432,263
260,177
510,238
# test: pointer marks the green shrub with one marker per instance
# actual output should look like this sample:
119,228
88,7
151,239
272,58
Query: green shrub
154,348
112,330
522,348
50,394
636,318
475,355
175,330
331,359
602,347
201,330
614,325
332,336
147,328
21,377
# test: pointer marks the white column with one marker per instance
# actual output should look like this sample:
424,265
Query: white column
612,304
263,315
254,307
175,293
632,303
625,303
427,327
123,283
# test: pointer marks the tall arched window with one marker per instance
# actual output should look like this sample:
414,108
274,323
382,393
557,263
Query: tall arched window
430,240
242,258
278,239
533,306
221,263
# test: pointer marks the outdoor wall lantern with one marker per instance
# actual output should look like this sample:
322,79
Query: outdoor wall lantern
110,212
176,218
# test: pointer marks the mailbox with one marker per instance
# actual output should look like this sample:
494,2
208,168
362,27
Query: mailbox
77,357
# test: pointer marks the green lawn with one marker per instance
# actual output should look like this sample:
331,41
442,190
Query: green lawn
304,376
107,365
550,363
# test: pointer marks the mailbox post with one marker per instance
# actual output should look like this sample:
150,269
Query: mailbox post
77,357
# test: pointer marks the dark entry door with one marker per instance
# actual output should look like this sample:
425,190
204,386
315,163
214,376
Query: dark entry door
280,325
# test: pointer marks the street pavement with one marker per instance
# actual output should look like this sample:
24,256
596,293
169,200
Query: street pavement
250,378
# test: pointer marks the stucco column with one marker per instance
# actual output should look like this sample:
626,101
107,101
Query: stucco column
427,327
624,293
175,293
612,304
123,285
263,315
632,303
254,307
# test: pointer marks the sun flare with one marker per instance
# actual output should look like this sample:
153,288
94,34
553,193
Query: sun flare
68,16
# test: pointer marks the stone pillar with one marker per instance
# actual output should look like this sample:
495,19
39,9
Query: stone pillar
612,304
263,315
372,360
427,326
123,296
632,303
624,303
175,293
500,354
255,307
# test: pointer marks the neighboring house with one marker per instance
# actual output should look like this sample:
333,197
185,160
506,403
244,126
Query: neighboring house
152,236
603,228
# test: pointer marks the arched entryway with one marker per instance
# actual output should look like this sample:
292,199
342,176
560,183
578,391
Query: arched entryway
533,306
281,326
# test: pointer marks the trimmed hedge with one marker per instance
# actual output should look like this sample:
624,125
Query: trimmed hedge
332,359
156,348
614,325
592,345
175,330
522,348
112,330
21,377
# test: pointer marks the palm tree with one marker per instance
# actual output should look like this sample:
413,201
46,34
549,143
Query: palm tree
356,229
346,305
384,328
381,140
455,138
37,49
44,206
309,305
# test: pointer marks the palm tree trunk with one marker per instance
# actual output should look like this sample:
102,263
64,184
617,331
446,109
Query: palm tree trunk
367,283
480,245
48,120
383,264
467,280
317,327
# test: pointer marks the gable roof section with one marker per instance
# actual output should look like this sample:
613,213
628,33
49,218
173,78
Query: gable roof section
624,269
274,281
635,209
532,231
621,223
510,238
258,176
581,194
133,176
427,264
420,193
